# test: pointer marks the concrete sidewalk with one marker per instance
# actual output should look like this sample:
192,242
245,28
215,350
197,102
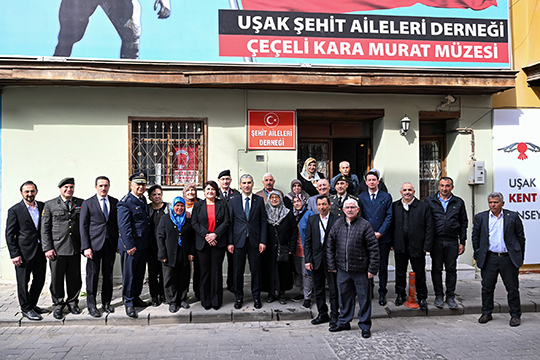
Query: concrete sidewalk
468,297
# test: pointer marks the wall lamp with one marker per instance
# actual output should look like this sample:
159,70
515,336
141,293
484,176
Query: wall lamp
405,125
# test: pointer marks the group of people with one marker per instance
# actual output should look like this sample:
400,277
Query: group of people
338,241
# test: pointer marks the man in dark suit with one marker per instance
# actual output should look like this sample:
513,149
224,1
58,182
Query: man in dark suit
99,243
377,210
412,238
226,193
61,243
23,241
134,241
499,248
318,228
247,236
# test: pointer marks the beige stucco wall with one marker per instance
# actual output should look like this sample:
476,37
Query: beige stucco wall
52,132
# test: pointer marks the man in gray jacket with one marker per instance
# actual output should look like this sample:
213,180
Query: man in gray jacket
61,242
353,252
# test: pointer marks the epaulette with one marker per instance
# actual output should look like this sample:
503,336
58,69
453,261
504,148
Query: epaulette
124,198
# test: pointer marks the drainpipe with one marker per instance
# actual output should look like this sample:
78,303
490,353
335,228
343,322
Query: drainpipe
473,158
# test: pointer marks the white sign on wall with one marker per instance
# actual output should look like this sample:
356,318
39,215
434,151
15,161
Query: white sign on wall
516,169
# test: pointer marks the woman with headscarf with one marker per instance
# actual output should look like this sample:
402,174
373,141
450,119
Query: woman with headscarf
175,250
301,215
210,220
190,196
296,190
281,243
309,177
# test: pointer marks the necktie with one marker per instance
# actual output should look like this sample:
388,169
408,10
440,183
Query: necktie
105,209
340,202
225,195
68,205
246,208
373,198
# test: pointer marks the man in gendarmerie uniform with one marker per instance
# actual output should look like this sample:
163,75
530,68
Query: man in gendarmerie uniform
226,193
61,243
134,241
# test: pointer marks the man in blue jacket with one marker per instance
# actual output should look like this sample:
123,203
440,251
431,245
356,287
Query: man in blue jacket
134,241
450,232
377,210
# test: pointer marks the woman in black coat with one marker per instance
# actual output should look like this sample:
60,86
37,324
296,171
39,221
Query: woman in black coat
282,234
210,220
175,250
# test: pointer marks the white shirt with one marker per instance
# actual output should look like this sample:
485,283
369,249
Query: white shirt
34,213
325,223
406,206
106,198
244,197
496,233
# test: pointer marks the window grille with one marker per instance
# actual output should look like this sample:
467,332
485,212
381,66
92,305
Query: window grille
430,167
170,152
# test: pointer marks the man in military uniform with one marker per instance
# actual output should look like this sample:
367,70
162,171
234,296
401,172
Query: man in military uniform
134,241
337,201
226,193
61,243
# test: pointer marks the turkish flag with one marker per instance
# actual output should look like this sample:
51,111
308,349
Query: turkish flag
347,6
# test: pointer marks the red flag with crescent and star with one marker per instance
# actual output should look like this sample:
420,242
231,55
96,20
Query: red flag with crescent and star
347,6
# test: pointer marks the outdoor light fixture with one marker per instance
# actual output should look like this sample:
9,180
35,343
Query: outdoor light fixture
405,124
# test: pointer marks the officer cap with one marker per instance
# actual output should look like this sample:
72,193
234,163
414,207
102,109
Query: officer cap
65,181
344,178
224,173
138,178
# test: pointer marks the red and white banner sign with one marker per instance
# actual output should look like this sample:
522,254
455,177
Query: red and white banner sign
271,130
346,6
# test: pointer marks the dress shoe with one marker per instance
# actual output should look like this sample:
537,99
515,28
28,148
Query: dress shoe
306,304
298,298
140,303
207,307
382,300
156,301
130,311
451,303
282,299
108,308
74,309
238,304
32,315
366,334
333,321
257,303
216,307
271,298
439,304
485,318
58,312
173,308
342,327
39,310
184,305
320,319
399,300
514,321
423,304
94,312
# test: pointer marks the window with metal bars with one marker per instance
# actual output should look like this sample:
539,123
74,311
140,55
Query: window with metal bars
171,152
